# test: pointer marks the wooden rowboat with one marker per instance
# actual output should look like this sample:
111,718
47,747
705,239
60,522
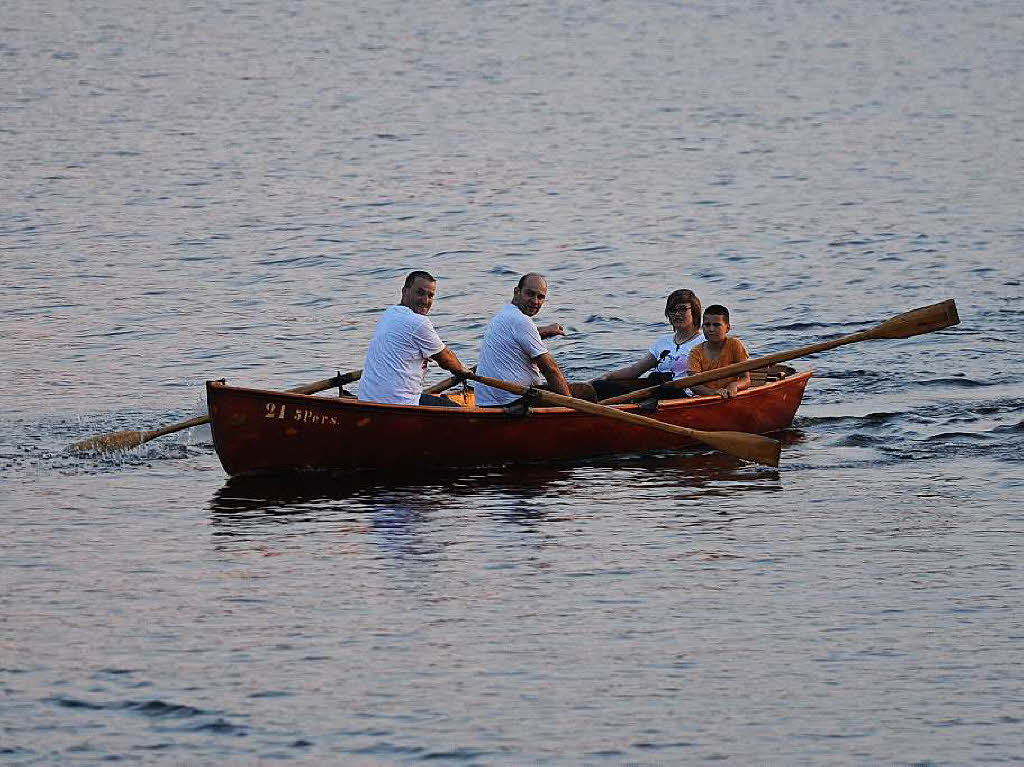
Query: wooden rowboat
259,431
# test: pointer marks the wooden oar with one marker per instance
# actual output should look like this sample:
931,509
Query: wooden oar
749,447
912,323
126,440
446,384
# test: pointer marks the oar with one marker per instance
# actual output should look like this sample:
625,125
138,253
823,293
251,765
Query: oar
446,384
126,440
749,447
912,323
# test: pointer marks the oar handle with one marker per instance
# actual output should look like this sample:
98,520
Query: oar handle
447,383
494,383
339,380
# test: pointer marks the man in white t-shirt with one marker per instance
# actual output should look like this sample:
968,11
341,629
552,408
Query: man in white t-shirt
512,349
402,343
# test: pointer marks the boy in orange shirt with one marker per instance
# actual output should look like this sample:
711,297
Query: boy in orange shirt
718,350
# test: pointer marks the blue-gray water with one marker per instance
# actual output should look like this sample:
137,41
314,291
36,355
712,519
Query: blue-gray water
210,190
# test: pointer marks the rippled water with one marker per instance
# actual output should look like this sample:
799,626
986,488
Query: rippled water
216,190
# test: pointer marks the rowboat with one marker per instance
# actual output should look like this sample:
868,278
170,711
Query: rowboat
258,431
265,432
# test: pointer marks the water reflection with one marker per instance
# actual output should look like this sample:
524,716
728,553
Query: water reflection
521,495
280,496
395,514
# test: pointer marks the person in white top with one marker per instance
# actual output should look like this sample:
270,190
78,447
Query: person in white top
513,349
404,340
682,309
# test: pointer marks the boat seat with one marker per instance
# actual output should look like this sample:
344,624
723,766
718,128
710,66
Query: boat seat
769,374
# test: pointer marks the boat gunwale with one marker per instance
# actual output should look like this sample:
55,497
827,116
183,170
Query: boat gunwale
499,412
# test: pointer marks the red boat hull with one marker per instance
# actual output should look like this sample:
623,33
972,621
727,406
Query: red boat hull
260,432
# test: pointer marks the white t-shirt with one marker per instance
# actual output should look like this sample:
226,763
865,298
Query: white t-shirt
397,357
667,351
510,345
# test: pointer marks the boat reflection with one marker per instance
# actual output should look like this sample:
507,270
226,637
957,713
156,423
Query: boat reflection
415,519
522,494
287,494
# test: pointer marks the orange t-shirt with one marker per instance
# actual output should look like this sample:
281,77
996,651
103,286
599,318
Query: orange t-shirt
733,351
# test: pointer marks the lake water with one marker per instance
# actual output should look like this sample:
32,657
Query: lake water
215,190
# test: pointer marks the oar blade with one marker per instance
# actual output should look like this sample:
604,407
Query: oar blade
924,320
750,447
110,443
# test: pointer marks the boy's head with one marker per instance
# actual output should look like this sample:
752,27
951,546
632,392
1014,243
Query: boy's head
716,323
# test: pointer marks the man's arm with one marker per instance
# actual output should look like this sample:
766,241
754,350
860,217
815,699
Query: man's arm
549,369
446,358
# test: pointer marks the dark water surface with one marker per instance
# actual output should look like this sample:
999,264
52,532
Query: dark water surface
236,190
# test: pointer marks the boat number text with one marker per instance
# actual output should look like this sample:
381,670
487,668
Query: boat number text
281,412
